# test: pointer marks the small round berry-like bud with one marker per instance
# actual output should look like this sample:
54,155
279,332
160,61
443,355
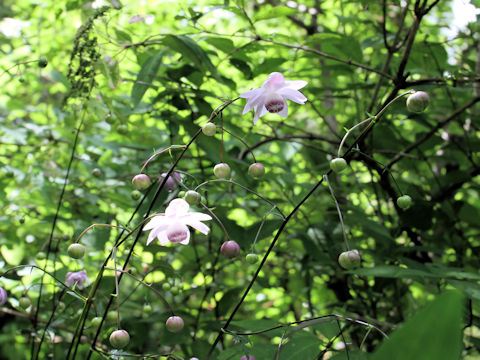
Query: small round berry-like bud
42,62
76,251
192,197
177,232
3,296
97,172
141,181
418,101
221,170
350,259
174,324
230,249
209,129
147,308
96,321
135,194
119,339
274,103
181,194
256,170
166,286
25,302
171,183
111,317
252,258
404,202
122,129
338,165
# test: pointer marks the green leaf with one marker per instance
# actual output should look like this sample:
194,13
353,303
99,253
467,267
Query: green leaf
272,12
301,345
433,333
190,49
145,77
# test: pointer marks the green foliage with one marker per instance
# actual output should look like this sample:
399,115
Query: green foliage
96,93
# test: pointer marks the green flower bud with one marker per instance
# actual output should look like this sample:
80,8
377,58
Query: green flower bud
338,165
76,251
192,197
404,202
209,129
418,101
256,170
221,170
350,259
119,339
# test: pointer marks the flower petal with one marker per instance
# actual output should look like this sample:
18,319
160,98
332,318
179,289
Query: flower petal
283,113
292,94
260,110
199,216
187,240
177,207
156,221
251,93
162,238
197,225
274,81
296,84
254,102
154,233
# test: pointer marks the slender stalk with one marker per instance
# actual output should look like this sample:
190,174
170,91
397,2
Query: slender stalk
339,212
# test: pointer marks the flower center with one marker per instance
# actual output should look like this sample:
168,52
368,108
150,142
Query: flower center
274,103
177,232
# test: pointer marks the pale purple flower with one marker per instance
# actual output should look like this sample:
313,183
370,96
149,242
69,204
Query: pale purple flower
172,226
171,183
78,278
272,95
250,357
3,296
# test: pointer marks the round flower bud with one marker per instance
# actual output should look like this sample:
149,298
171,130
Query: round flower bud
192,197
349,259
135,194
76,251
404,202
230,249
122,129
171,183
97,172
256,170
209,129
181,194
177,232
338,165
221,170
42,62
174,324
166,286
147,308
141,181
119,339
96,321
3,296
25,302
111,317
250,357
252,258
418,101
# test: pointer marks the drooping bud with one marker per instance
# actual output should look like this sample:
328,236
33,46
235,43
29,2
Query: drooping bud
404,202
418,101
141,181
96,172
250,357
76,251
135,194
96,321
252,258
174,324
256,170
350,259
221,170
209,129
230,249
119,339
42,62
3,296
25,302
274,103
338,165
177,232
171,183
192,197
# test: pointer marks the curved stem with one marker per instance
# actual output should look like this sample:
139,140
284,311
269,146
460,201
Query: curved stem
339,212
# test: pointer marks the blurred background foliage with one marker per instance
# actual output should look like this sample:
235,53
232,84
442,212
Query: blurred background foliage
127,79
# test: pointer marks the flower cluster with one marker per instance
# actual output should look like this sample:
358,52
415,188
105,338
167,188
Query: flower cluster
172,226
